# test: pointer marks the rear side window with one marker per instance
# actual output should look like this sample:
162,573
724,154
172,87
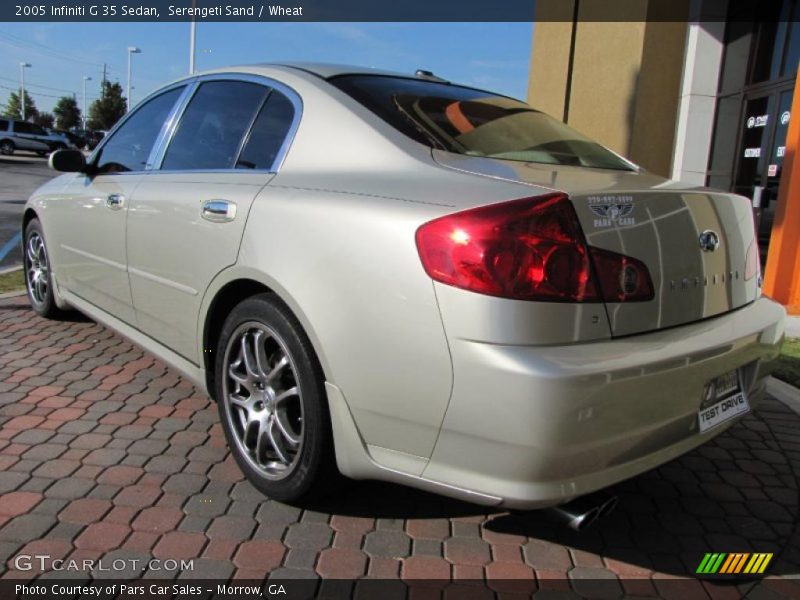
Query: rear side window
268,133
3,125
129,148
211,130
30,128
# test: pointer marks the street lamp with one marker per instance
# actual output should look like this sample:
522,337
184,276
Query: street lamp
22,67
192,38
131,50
85,79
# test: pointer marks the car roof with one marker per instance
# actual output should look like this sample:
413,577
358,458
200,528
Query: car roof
327,70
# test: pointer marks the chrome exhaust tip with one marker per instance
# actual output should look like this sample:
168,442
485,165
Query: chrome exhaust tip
583,512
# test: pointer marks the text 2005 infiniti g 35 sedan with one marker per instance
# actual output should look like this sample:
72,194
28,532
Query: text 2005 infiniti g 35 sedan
398,278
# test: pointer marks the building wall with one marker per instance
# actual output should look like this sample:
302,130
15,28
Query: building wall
618,80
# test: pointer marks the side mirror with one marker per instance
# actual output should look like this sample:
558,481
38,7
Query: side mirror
68,161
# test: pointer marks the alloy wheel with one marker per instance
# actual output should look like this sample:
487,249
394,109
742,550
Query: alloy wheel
37,268
262,400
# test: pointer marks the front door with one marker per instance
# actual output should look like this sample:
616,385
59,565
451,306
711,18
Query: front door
765,122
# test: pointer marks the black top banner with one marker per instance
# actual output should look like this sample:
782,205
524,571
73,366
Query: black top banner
389,10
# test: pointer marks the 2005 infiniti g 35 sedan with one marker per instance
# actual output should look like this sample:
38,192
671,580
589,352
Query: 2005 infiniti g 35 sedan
395,277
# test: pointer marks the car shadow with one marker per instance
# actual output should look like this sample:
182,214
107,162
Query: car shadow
737,493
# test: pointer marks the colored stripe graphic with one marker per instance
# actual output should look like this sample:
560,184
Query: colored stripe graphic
734,563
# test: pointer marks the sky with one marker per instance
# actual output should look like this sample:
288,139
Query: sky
495,56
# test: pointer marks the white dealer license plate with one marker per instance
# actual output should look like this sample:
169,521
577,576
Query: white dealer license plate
722,411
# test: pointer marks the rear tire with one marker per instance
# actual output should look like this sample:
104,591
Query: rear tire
38,274
272,402
7,147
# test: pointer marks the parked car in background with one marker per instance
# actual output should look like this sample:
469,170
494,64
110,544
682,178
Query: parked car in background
58,140
16,135
75,139
90,137
400,278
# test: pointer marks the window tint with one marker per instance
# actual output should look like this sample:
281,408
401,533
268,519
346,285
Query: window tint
130,146
211,129
29,128
268,133
475,122
3,125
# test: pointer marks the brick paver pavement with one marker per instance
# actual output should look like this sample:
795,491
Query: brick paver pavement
107,453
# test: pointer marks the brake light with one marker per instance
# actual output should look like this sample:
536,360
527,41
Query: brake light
528,249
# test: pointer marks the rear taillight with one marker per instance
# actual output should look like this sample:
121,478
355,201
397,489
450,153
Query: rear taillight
529,249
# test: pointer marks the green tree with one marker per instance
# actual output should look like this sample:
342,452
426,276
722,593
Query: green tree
14,108
108,108
67,113
44,119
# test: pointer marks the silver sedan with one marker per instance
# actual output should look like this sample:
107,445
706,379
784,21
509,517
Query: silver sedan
395,277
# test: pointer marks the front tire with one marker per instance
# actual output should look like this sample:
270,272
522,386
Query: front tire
38,273
272,401
7,147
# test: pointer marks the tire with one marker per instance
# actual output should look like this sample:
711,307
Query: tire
281,440
38,274
7,147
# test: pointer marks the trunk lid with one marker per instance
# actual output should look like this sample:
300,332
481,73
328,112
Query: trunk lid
660,223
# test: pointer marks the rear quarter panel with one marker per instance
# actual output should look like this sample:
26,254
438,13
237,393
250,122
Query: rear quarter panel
347,266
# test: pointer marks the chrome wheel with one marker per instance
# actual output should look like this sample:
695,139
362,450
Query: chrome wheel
37,268
262,400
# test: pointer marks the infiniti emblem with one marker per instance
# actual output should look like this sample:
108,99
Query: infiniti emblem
709,241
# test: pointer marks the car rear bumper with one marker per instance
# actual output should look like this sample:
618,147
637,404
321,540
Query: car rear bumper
539,425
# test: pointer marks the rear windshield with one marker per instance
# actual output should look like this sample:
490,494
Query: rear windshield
474,122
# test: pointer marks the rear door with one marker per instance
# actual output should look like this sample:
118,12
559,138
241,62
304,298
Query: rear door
187,217
28,136
88,222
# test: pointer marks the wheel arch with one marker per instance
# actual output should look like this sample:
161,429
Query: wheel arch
28,216
228,290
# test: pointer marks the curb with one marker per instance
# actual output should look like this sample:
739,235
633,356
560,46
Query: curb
10,270
6,295
785,393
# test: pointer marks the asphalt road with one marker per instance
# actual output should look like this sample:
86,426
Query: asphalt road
20,175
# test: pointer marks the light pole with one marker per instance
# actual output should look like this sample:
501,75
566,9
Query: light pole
192,39
85,79
22,67
131,50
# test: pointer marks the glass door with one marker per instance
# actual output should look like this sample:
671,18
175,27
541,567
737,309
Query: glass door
765,120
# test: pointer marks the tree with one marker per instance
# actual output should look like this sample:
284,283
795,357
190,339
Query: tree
44,119
67,113
14,108
108,108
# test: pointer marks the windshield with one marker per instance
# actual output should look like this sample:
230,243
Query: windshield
474,122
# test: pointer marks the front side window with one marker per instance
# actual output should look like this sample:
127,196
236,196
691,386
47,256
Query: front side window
474,122
129,148
211,130
3,125
268,133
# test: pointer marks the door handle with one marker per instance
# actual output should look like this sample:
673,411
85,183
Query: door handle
115,201
218,211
